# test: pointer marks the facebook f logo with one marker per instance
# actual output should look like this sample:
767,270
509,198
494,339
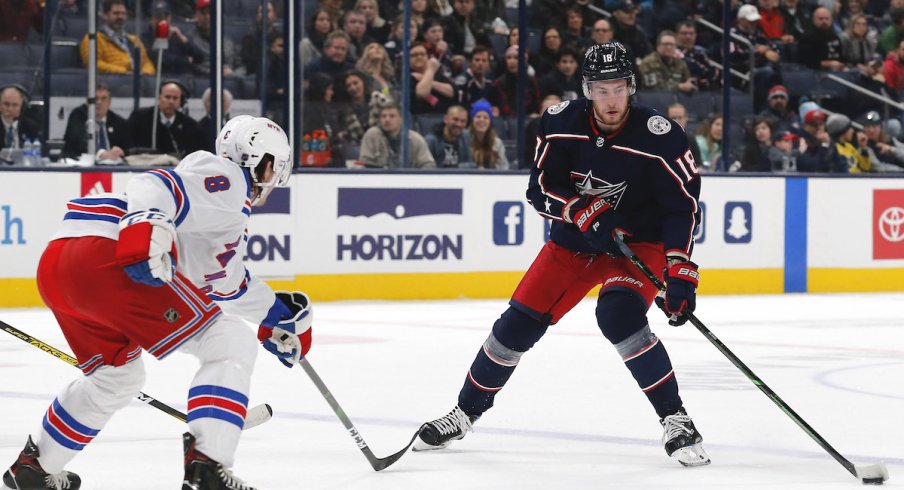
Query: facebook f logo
508,223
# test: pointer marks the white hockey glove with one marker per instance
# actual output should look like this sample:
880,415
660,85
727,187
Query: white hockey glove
290,338
147,247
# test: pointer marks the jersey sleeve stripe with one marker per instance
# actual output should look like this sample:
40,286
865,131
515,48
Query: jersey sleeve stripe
549,193
173,183
567,136
542,154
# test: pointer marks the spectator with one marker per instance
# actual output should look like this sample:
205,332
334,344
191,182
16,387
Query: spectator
200,40
893,69
277,81
771,23
334,8
783,155
376,27
432,92
627,32
755,157
870,77
702,70
206,124
548,13
795,18
893,34
883,147
602,31
16,126
550,48
394,44
355,25
114,45
112,134
474,84
335,61
513,39
449,143
463,31
858,7
678,113
507,87
17,18
487,149
820,47
251,42
857,46
844,156
419,12
180,53
783,118
437,47
311,46
814,142
575,32
381,146
376,65
564,81
531,130
664,70
353,114
709,140
439,8
319,114
177,134
765,70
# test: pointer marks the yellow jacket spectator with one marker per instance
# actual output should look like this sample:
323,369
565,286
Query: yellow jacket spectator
114,45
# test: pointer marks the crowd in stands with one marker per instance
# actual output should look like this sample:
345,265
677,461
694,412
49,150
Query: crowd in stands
464,72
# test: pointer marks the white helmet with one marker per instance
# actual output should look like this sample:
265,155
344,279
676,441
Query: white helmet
254,139
226,135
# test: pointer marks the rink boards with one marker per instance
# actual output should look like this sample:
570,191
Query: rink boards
447,235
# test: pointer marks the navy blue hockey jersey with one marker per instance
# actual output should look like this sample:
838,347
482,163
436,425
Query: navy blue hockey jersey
645,171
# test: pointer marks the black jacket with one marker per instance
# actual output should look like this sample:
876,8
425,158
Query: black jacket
27,128
182,138
76,136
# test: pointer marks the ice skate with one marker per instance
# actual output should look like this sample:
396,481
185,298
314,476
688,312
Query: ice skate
442,431
26,473
682,440
203,473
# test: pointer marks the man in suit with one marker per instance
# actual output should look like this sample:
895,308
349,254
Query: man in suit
113,138
177,134
16,127
206,123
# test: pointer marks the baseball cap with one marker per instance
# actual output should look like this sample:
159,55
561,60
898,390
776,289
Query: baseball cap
161,7
814,116
784,136
871,118
202,4
837,124
749,13
626,5
778,91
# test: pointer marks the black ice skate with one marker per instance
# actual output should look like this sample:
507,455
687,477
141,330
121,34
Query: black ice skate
442,431
203,473
682,440
26,473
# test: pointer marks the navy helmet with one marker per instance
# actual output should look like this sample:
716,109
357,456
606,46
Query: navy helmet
608,61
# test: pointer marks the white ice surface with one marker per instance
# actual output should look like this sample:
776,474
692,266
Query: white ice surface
570,418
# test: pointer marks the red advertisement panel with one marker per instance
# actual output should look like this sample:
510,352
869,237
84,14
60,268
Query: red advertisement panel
96,182
888,224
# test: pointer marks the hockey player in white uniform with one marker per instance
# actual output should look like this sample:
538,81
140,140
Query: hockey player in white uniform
160,269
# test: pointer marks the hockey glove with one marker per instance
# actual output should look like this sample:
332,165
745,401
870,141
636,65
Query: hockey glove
290,338
147,247
681,279
597,221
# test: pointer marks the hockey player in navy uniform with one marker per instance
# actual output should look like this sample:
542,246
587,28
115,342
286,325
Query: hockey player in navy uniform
603,165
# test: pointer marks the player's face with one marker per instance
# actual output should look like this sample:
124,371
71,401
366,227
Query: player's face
260,193
610,102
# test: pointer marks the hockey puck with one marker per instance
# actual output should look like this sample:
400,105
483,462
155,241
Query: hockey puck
873,481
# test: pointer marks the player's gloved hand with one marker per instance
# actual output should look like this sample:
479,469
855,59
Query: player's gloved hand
290,338
147,247
681,279
597,221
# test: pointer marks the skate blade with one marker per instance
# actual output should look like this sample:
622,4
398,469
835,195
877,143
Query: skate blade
421,446
692,456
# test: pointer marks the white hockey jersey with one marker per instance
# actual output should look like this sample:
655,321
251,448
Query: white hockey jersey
209,200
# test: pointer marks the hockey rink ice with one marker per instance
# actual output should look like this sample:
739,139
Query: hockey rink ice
571,417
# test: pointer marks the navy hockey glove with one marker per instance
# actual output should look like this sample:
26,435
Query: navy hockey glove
681,279
146,247
290,338
597,221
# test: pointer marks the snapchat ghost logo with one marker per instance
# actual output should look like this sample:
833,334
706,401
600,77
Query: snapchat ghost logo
738,222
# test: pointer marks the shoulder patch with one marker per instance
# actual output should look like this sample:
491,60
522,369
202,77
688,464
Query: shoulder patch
659,125
558,107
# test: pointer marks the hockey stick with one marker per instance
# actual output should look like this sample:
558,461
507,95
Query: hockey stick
875,473
255,416
377,463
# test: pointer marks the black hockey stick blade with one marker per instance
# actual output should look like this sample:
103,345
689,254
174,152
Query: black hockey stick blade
256,415
875,473
376,463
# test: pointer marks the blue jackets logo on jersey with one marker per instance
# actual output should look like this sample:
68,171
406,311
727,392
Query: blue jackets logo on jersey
589,185
398,203
508,223
738,222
